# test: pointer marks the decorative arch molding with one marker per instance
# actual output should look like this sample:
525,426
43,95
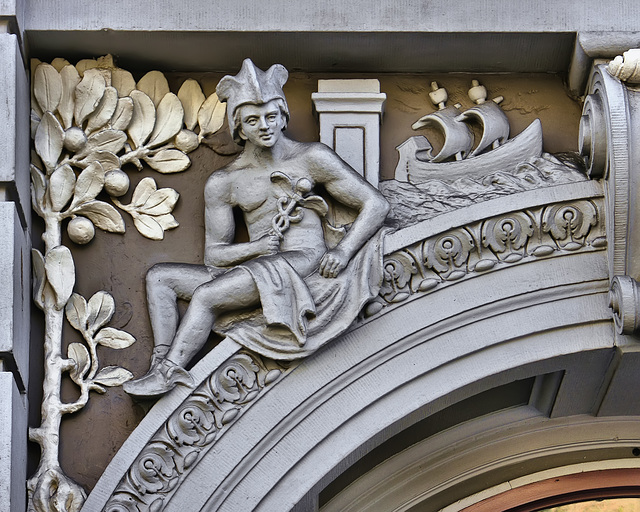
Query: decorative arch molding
299,427
571,484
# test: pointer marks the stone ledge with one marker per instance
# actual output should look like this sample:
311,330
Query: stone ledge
14,126
13,446
15,297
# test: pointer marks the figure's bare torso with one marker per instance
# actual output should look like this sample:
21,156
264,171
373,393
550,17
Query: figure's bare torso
248,186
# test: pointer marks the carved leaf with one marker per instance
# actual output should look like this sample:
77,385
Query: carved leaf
168,120
143,191
123,81
86,64
123,114
143,119
47,87
114,338
70,79
211,115
79,353
192,98
76,312
88,94
111,376
105,140
168,161
89,184
39,277
155,85
34,121
61,186
59,63
33,64
160,202
49,140
39,186
103,215
61,273
148,227
167,221
107,159
105,110
100,309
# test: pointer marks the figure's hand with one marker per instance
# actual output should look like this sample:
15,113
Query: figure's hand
333,262
268,244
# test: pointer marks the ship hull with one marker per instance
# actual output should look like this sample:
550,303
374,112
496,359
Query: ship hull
521,148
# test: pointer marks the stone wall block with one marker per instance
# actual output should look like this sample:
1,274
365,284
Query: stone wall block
15,265
14,125
13,446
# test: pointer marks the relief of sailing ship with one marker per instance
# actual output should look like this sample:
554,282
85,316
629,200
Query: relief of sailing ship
458,158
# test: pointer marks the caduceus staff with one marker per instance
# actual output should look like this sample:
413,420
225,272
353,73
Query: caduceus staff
288,204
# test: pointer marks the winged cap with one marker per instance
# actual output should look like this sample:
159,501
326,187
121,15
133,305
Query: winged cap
252,86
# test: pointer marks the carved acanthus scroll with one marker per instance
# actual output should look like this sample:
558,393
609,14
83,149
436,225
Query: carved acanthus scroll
521,236
192,431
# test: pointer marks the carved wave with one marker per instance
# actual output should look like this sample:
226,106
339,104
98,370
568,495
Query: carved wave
411,203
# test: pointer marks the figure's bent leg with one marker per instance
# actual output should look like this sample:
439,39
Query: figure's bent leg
234,290
166,283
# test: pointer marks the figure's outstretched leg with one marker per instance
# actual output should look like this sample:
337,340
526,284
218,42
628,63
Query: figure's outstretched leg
233,290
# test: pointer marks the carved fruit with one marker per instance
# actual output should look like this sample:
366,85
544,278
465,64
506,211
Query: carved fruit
74,139
116,183
81,230
186,141
304,186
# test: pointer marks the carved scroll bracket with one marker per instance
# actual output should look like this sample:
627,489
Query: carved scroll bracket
624,300
609,141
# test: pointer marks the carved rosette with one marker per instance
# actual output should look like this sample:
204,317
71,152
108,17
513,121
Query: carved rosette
191,431
517,237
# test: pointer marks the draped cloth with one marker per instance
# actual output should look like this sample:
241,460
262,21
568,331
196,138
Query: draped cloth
299,315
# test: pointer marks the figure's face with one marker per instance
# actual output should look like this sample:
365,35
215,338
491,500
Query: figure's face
261,124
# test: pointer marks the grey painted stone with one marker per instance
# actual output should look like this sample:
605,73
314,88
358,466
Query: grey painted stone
333,15
421,351
15,296
12,11
350,114
14,125
13,446
617,401
405,37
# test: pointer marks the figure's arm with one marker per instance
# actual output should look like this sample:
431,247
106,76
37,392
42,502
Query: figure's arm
347,187
220,251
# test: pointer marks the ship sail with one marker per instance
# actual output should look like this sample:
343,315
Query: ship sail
458,137
494,123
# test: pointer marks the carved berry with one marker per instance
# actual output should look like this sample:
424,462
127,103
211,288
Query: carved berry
74,139
186,141
116,183
81,230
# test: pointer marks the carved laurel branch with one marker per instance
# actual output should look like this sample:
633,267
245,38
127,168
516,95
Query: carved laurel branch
87,122
191,431
90,120
516,237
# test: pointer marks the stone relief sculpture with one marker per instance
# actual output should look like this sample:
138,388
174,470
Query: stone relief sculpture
87,122
494,151
298,282
626,67
469,168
